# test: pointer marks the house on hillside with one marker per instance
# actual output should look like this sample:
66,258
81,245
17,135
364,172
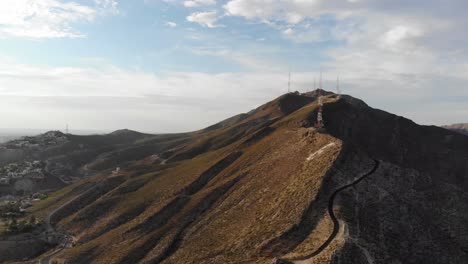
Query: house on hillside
5,181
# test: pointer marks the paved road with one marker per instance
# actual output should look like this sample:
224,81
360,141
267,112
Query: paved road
336,223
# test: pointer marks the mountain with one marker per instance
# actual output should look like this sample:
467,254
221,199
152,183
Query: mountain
266,187
460,128
67,158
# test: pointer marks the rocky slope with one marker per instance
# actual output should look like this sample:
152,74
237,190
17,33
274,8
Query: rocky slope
257,188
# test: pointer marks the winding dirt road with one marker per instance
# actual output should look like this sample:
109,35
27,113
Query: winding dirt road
336,223
68,239
49,226
66,244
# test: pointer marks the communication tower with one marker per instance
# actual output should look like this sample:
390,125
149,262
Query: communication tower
338,90
320,84
320,123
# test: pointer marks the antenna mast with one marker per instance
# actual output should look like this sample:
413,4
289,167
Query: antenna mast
289,81
319,123
320,85
338,90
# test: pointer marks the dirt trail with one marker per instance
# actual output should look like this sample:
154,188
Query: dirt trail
49,226
66,244
50,229
336,223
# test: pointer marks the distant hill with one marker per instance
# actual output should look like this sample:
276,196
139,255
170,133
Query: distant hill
8,137
460,128
71,157
12,134
268,187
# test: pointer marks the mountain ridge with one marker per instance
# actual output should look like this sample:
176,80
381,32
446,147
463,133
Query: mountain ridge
256,187
460,127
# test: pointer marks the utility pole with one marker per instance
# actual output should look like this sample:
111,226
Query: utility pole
321,81
338,90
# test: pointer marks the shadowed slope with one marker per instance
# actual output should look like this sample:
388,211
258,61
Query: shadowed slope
258,186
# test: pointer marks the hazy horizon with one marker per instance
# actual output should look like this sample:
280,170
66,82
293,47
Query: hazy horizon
35,131
19,132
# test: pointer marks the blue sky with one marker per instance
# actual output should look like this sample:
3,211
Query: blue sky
177,65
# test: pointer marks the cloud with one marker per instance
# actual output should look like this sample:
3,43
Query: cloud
247,61
291,12
171,24
205,19
48,18
91,97
399,34
196,3
48,97
288,32
386,40
108,6
391,53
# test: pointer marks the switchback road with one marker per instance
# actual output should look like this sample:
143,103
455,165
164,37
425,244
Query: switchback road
336,223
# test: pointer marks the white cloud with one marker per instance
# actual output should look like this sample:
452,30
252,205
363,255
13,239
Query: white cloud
206,19
391,38
291,12
305,36
171,24
196,3
393,57
108,6
247,61
288,31
250,9
48,18
49,97
398,34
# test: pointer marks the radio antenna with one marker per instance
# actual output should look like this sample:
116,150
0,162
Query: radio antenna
338,90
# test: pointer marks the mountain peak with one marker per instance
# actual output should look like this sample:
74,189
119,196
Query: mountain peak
318,92
258,186
125,131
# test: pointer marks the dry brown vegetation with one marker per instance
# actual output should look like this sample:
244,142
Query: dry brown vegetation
247,190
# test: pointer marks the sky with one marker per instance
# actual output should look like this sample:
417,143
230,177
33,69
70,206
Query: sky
179,65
